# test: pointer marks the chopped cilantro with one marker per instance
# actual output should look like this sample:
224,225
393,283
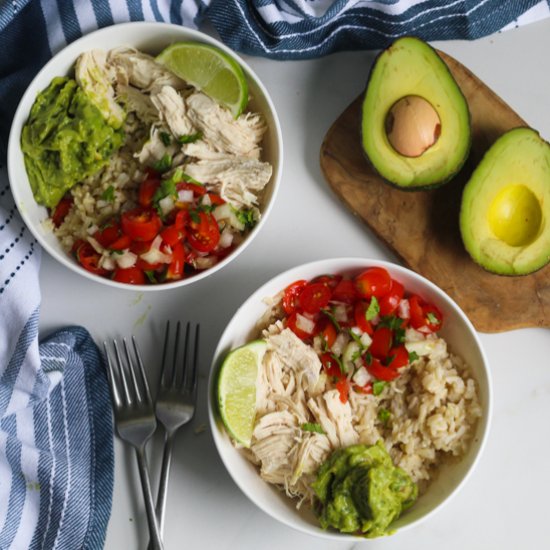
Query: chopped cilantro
165,138
413,356
378,387
164,164
433,319
247,218
373,310
194,215
190,138
399,335
368,358
384,415
356,355
151,276
332,319
356,337
341,365
167,188
206,207
391,321
312,427
109,194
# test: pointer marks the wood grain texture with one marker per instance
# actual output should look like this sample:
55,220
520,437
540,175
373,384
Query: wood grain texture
421,227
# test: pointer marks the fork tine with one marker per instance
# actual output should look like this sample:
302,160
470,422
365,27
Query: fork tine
122,375
144,382
173,382
130,364
185,357
164,369
111,376
189,382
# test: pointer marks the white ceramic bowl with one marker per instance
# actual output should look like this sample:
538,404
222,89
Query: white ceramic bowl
462,339
150,38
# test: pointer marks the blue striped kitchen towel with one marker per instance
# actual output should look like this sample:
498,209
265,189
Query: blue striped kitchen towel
56,442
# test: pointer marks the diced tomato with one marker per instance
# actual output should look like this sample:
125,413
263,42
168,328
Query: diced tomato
381,342
424,316
291,294
146,266
88,258
398,357
314,297
140,247
389,302
374,281
109,233
345,292
204,233
147,190
292,325
61,210
327,331
172,235
181,219
141,224
121,243
380,372
198,190
175,269
216,199
130,276
331,365
329,280
152,173
360,315
343,389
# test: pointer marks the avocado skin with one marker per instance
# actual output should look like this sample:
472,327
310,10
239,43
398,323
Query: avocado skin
438,179
518,157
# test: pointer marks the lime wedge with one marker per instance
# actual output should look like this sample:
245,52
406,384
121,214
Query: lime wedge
210,70
237,390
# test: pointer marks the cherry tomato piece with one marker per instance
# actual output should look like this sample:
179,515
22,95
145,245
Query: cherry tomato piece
327,331
329,280
147,190
425,317
415,311
61,210
345,292
292,324
380,372
331,365
198,190
433,317
88,258
343,389
175,269
291,294
130,276
204,233
141,224
398,357
216,199
314,297
381,342
107,234
390,302
374,281
360,315
172,235
121,243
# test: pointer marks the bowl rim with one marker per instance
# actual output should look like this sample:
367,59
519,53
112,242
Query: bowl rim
331,265
71,52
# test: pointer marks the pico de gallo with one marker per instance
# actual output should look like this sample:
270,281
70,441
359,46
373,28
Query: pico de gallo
358,326
176,228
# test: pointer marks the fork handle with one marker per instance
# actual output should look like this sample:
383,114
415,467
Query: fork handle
164,475
154,532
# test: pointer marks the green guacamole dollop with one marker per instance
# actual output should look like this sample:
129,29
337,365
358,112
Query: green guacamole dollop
361,491
65,140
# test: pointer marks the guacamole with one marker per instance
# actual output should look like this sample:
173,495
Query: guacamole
360,491
65,140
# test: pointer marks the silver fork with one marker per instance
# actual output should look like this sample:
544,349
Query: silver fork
175,403
135,419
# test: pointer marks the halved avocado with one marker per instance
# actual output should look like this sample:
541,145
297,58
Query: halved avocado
416,122
505,207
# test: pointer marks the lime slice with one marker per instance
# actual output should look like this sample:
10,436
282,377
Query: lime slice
210,70
237,390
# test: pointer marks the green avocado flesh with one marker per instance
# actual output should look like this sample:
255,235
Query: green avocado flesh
412,68
360,491
65,140
505,205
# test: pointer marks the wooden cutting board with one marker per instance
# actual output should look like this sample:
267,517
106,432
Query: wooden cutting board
421,227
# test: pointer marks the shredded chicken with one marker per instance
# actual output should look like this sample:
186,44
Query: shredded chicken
137,102
94,77
221,131
172,111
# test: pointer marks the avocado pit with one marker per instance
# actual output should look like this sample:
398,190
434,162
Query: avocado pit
412,126
515,215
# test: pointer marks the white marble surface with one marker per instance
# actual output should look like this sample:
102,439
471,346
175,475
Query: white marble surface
504,505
